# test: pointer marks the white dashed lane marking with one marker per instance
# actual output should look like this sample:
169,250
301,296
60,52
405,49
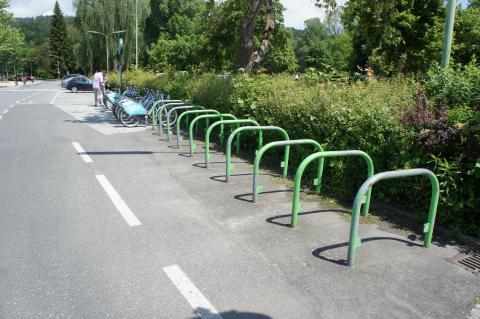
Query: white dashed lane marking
202,307
121,206
82,152
5,112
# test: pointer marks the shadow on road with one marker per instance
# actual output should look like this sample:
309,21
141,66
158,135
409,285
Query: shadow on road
273,220
248,196
318,252
232,314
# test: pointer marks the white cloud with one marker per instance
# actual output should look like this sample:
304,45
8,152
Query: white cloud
297,11
33,8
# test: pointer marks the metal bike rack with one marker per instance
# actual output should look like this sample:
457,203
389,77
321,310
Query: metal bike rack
186,114
260,129
193,146
154,109
329,154
177,108
163,109
355,242
256,164
223,122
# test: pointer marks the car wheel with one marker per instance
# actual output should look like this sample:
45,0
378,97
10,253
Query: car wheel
74,90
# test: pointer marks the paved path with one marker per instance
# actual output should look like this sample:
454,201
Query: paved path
103,222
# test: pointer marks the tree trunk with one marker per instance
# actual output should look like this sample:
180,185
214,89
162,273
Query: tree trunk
247,31
258,55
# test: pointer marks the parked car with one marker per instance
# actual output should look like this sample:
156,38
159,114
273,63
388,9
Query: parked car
68,77
80,83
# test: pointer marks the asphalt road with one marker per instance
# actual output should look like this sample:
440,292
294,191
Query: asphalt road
99,221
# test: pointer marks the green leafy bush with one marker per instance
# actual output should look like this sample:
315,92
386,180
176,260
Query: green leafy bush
394,121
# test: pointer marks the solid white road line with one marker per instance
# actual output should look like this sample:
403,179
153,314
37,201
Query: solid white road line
55,97
199,303
121,206
5,112
82,152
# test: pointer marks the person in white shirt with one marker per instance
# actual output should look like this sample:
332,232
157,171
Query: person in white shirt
98,82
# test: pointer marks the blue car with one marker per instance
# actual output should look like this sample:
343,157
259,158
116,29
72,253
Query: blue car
80,83
67,78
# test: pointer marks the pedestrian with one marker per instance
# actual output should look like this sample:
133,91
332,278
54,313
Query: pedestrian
97,86
16,80
102,89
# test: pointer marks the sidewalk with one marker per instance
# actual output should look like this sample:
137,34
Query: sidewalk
394,277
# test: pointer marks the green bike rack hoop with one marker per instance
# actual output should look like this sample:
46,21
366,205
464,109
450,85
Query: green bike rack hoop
186,114
354,242
154,109
193,146
223,122
178,108
163,109
260,129
284,163
296,209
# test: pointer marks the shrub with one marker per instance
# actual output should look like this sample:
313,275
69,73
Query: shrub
398,122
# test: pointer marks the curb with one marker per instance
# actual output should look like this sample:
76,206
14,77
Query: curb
475,313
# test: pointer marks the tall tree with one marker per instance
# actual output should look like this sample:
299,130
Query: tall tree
59,45
247,57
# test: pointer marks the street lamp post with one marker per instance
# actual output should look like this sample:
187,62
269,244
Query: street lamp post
106,39
136,34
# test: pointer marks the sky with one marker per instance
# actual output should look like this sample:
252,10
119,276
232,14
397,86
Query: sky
297,10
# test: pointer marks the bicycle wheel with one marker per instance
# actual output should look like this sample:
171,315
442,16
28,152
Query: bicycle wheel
116,110
107,103
128,120
173,118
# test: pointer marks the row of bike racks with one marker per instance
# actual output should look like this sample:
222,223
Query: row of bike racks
362,199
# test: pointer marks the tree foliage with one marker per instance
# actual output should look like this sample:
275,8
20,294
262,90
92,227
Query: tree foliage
107,16
323,46
11,38
395,36
173,31
474,4
467,35
206,35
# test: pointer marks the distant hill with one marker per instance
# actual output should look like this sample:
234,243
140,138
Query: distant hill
37,29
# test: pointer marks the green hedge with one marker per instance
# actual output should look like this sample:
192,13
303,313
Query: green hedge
367,116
